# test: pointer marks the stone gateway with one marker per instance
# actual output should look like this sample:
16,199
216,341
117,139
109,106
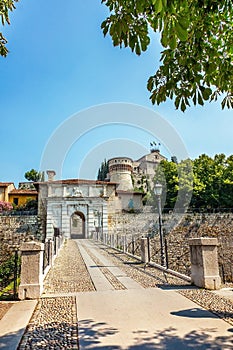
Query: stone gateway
75,208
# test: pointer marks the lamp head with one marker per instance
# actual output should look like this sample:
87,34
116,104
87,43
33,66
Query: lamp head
158,189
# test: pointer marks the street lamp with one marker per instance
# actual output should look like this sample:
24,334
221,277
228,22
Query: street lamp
158,189
98,214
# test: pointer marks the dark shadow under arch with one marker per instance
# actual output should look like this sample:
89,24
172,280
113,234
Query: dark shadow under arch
77,225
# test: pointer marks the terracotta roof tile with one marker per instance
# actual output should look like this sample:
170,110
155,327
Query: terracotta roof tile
26,192
77,182
6,184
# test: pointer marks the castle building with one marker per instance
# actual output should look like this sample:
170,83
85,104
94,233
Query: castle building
120,171
134,174
147,164
81,208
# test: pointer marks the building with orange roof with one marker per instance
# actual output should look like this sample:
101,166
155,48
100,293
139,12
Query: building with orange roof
20,197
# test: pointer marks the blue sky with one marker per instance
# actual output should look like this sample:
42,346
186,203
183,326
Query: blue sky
60,64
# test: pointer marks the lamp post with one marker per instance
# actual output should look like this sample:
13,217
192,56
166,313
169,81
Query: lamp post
98,228
158,189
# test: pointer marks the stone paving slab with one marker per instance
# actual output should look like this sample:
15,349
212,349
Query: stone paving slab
14,323
128,282
148,319
99,280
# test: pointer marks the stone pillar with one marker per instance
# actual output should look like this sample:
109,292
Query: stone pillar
105,218
31,280
66,219
51,251
144,250
204,262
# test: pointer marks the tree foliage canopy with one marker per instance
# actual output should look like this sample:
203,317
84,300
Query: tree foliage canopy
33,175
196,35
103,171
210,180
5,7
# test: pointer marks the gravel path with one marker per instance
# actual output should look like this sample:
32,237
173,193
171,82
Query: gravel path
69,273
147,276
220,306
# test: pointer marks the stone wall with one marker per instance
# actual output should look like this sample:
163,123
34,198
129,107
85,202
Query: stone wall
177,232
14,230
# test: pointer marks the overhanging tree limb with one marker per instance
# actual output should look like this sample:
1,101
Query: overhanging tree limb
5,7
197,60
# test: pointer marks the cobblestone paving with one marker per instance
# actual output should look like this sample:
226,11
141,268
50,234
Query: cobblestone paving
69,274
218,305
147,276
53,325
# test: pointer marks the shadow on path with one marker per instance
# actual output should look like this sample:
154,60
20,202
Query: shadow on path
194,313
11,340
101,336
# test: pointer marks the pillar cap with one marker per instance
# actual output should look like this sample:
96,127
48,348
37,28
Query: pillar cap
203,241
31,246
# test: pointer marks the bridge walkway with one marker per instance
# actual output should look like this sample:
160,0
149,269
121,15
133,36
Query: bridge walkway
140,318
115,310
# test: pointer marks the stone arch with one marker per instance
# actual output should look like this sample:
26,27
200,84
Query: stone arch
77,225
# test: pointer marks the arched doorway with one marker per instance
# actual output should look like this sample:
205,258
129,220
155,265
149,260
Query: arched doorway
77,225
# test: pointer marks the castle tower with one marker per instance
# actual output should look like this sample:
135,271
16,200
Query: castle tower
120,171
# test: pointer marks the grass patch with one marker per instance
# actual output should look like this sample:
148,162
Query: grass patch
8,292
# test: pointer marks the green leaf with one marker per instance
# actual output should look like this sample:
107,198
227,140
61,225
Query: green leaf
153,97
199,98
138,49
206,93
184,22
105,30
158,6
195,98
181,32
150,84
183,105
198,46
173,42
164,38
177,102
